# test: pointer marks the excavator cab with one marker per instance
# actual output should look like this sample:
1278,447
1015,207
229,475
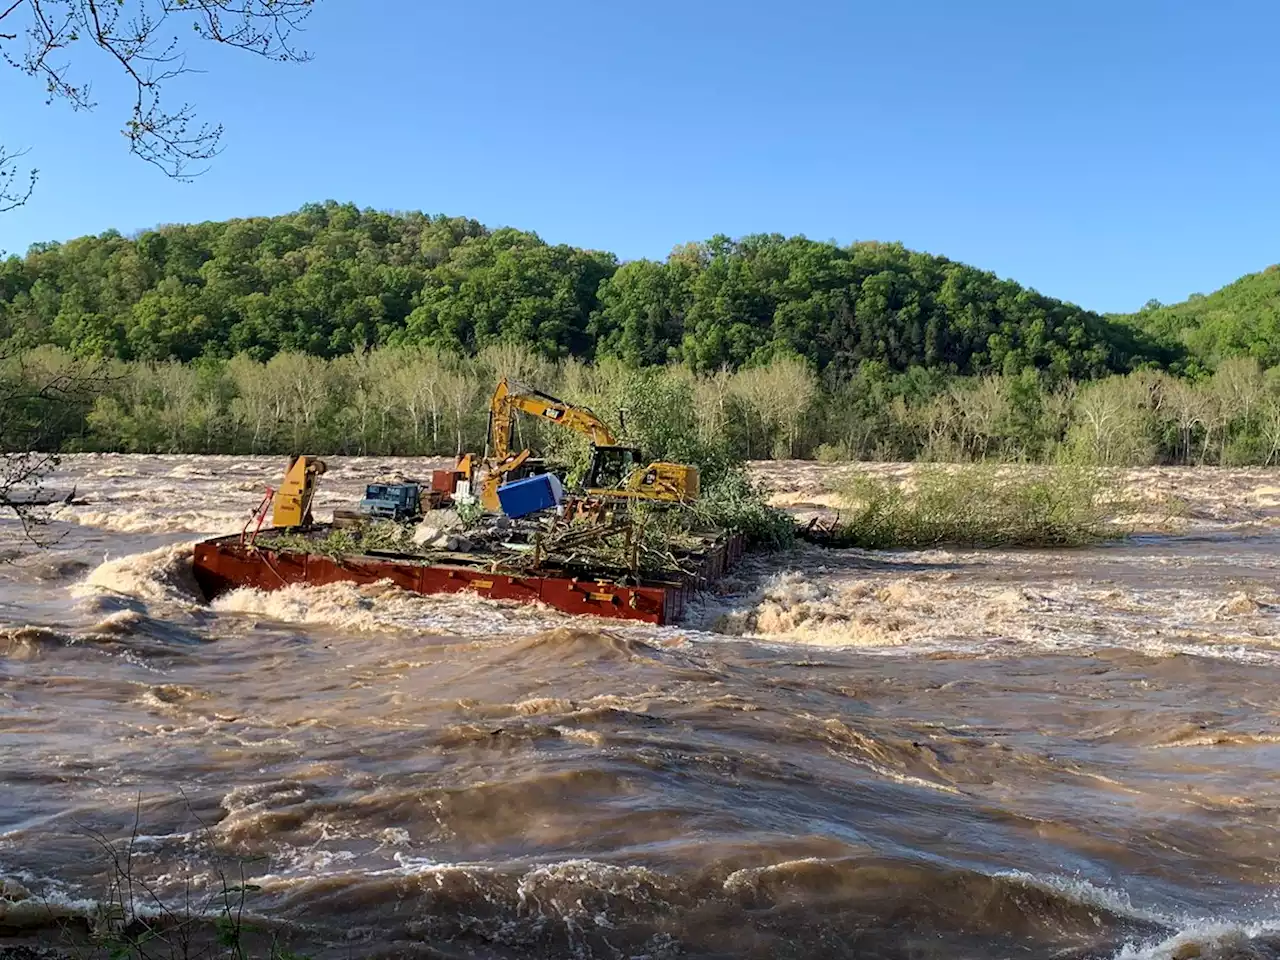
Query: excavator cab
618,471
611,467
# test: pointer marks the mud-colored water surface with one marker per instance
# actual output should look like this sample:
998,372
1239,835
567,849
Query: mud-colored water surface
840,754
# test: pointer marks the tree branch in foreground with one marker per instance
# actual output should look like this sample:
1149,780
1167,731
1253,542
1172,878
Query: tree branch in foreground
35,402
15,189
139,36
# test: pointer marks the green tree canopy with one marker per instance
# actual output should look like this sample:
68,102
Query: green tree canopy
1241,319
331,278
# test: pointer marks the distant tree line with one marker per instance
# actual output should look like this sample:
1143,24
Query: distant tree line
331,280
418,400
342,330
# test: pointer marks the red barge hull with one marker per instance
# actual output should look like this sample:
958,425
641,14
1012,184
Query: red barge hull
224,564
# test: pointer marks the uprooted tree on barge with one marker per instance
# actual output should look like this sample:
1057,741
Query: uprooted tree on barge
629,541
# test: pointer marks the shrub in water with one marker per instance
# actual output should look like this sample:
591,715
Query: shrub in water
979,506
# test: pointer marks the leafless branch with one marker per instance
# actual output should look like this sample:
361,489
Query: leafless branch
139,36
132,919
15,189
34,405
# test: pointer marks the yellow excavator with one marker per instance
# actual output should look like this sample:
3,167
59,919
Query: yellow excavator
292,503
616,471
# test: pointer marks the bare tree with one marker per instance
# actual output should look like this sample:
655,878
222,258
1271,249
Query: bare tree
416,382
1188,410
15,188
983,407
755,393
1239,385
713,401
778,400
35,402
1058,404
465,393
517,362
42,37
1270,426
941,421
301,386
252,411
1113,421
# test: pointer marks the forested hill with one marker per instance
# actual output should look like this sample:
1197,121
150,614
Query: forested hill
1241,319
331,278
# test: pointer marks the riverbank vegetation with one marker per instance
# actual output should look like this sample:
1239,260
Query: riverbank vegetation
346,331
211,918
421,401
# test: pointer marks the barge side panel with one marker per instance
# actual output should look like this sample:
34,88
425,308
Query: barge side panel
221,566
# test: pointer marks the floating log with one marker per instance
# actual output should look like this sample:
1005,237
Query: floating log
36,498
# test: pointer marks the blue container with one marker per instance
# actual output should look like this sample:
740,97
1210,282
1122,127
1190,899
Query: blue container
523,497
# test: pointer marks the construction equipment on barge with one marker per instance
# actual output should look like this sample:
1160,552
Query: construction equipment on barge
616,470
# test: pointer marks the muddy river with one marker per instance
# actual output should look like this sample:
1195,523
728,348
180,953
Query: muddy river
938,754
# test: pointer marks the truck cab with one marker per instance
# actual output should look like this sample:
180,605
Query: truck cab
392,501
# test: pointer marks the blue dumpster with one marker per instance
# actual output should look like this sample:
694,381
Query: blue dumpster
523,497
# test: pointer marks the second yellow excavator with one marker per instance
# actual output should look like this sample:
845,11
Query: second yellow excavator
616,471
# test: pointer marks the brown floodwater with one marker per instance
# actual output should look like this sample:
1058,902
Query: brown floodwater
928,754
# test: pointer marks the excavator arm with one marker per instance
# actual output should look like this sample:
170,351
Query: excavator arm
292,506
507,402
511,398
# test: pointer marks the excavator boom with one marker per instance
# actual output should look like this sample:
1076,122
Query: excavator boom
509,398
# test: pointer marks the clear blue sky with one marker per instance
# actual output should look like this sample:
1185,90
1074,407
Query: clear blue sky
1102,151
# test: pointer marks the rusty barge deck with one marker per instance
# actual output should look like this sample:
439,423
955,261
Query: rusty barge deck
223,564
